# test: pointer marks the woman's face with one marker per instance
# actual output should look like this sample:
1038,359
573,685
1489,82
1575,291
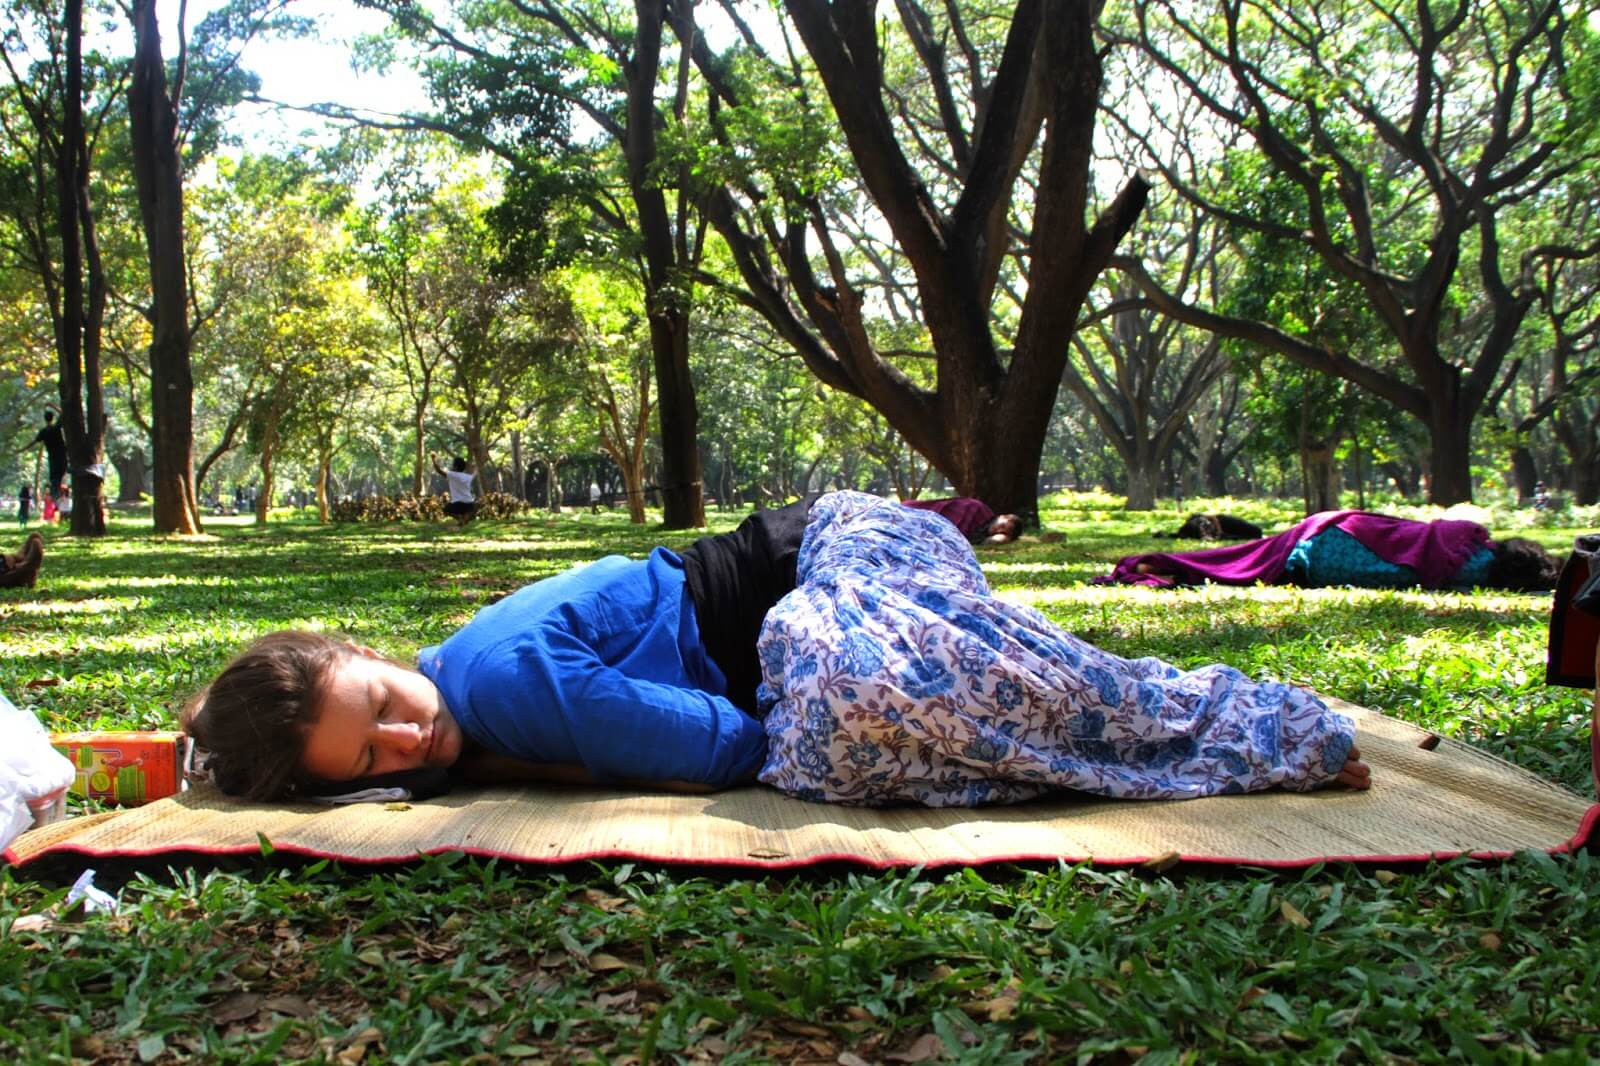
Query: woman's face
376,717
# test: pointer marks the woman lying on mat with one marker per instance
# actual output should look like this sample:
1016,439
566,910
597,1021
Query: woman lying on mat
1360,549
884,672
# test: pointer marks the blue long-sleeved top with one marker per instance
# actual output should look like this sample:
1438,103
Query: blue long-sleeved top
600,666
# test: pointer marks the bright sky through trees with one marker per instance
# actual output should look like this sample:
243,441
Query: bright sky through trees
312,70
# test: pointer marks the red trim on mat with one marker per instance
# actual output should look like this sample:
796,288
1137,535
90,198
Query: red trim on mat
1585,829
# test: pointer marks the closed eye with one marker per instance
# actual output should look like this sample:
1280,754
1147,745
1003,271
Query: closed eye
372,749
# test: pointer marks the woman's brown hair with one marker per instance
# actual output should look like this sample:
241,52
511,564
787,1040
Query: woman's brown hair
1522,565
252,719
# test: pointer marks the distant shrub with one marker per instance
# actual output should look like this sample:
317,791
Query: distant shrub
410,508
500,505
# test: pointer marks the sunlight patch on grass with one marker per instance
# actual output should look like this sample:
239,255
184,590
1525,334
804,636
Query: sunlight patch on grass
51,608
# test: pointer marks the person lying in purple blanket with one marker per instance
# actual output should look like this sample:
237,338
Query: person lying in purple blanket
976,519
1356,548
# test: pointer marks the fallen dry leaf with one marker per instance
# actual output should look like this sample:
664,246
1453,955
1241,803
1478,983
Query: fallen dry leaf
924,1048
235,1008
292,1005
600,962
364,1038
88,1046
850,1058
1293,916
34,923
604,900
607,1000
1161,863
1004,1006
1385,877
43,682
250,970
1489,941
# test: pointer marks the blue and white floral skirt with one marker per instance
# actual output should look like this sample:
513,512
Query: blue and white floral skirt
891,675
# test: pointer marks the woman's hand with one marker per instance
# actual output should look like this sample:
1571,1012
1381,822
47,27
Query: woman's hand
1356,774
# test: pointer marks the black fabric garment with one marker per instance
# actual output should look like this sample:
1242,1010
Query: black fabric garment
1575,620
54,439
425,782
734,579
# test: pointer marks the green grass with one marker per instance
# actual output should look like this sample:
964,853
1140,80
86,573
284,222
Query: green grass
455,959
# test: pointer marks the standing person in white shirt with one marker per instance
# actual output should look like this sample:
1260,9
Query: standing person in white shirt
462,503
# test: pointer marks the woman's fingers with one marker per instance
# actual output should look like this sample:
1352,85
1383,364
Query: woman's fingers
1355,774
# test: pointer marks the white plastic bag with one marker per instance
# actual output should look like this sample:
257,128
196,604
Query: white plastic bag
31,771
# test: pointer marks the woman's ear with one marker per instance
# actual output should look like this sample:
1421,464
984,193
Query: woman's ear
363,650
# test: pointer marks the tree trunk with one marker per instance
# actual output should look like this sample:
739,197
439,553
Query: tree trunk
1524,473
985,421
1404,476
633,486
1450,468
519,476
324,464
1141,486
131,473
158,176
1586,477
77,326
264,501
417,474
552,487
1321,473
1215,473
668,287
1000,468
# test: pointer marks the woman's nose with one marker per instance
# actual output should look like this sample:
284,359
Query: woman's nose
403,737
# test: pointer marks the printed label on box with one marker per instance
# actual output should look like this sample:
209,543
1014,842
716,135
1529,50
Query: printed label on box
124,768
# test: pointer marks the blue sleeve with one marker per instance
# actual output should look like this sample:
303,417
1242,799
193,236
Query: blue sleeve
551,699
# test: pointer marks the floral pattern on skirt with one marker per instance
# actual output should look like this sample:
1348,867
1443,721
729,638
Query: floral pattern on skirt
891,674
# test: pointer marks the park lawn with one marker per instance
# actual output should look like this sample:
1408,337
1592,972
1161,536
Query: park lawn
455,959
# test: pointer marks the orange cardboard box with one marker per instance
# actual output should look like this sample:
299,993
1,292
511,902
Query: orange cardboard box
124,768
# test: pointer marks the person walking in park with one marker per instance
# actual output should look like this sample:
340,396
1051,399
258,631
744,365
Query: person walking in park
54,440
462,504
843,650
64,505
24,504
